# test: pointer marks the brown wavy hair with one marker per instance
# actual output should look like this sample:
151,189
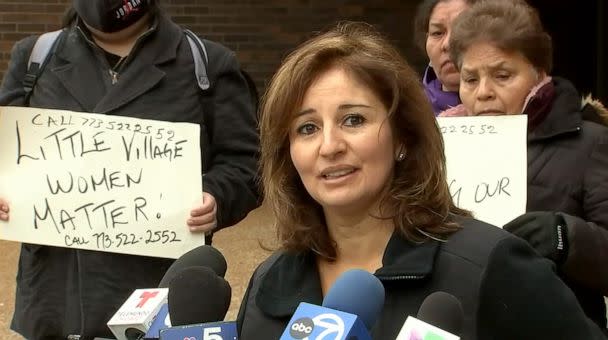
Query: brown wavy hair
418,199
510,25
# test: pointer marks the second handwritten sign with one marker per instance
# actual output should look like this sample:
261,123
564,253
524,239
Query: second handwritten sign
487,165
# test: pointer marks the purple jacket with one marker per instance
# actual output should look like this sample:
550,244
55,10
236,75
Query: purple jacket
440,100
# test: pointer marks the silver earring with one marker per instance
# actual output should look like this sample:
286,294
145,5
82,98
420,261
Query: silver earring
401,156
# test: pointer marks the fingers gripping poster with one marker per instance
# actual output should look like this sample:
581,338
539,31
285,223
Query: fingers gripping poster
99,182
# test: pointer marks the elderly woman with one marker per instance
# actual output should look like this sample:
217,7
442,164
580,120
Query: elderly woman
504,58
432,27
354,170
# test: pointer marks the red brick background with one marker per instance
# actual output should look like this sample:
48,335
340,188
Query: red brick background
260,31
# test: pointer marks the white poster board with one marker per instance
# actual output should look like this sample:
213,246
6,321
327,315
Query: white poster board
487,165
99,182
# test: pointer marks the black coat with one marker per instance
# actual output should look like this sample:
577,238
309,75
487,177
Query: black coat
507,291
568,173
64,291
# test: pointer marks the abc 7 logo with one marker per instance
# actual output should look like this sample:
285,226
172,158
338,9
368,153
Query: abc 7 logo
332,327
301,328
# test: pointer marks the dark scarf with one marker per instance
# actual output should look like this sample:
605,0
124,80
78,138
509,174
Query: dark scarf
539,103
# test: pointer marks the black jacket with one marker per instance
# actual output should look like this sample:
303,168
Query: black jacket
568,173
64,291
506,290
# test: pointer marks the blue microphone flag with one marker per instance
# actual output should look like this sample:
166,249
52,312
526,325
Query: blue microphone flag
204,331
161,321
314,322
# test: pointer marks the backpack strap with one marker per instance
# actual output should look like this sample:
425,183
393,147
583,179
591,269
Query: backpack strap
45,45
201,60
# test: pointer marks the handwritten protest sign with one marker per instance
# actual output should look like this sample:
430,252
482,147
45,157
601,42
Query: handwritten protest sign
99,182
487,165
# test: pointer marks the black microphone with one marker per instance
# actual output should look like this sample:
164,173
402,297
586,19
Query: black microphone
131,321
198,301
442,310
439,317
203,256
198,295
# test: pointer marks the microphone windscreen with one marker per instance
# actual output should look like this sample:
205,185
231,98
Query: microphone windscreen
357,292
198,295
203,256
442,310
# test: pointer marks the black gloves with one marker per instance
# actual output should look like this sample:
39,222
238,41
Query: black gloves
545,231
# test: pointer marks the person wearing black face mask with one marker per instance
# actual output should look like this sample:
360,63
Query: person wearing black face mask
111,16
126,57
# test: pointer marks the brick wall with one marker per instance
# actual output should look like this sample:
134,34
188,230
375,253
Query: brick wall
260,31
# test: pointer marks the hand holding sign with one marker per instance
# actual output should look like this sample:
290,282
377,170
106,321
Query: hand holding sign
98,182
203,218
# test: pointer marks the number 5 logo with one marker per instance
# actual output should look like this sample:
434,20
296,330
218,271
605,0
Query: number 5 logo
212,333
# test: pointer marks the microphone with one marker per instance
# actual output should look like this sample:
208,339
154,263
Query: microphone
135,316
161,321
198,298
198,295
349,310
149,327
203,256
442,310
440,317
184,293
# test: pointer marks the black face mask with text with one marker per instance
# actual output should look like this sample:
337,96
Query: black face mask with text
111,15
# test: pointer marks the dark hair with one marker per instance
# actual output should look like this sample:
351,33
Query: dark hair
418,201
421,20
510,25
